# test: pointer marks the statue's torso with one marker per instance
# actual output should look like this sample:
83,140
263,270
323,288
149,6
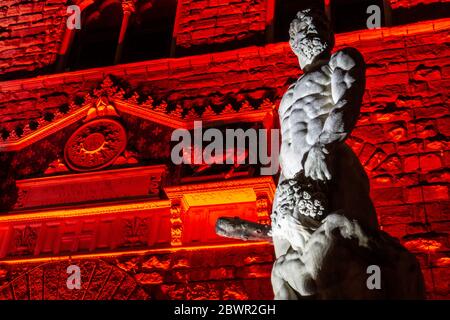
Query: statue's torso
311,95
310,100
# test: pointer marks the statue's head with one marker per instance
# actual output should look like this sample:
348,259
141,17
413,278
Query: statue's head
310,36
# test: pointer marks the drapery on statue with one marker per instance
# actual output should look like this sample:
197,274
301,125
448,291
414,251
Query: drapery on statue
324,225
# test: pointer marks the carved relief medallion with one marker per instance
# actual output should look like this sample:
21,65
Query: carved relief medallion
95,145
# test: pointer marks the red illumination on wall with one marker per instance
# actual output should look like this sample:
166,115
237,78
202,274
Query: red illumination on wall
401,139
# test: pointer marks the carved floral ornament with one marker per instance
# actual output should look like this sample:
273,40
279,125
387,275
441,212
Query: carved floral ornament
110,100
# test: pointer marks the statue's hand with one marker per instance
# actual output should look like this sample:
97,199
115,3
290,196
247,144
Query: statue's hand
291,164
315,164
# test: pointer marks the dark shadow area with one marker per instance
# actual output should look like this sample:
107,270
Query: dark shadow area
95,44
350,15
421,12
149,33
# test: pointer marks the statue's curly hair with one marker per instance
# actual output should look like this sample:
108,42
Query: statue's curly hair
310,33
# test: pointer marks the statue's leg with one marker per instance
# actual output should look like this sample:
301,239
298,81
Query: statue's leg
281,289
281,246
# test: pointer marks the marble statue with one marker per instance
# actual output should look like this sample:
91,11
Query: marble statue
324,225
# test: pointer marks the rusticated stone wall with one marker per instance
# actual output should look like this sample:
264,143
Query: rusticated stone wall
32,31
402,136
30,34
206,22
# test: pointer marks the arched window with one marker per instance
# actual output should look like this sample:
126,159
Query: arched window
149,33
95,44
120,31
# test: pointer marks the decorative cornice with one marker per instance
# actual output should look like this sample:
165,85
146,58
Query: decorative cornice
62,213
133,253
109,97
259,184
14,142
89,176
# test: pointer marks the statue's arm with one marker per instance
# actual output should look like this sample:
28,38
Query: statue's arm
347,87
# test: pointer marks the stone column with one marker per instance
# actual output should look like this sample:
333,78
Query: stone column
128,8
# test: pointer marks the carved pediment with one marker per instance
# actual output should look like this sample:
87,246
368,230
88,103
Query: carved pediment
111,100
111,127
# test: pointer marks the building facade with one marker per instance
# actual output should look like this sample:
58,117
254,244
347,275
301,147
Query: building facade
86,122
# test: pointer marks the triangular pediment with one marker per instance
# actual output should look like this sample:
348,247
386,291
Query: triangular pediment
111,100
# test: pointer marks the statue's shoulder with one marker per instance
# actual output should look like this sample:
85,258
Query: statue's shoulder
291,87
287,99
347,59
290,91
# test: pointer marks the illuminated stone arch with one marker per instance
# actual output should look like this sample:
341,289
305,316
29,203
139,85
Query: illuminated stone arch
99,281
